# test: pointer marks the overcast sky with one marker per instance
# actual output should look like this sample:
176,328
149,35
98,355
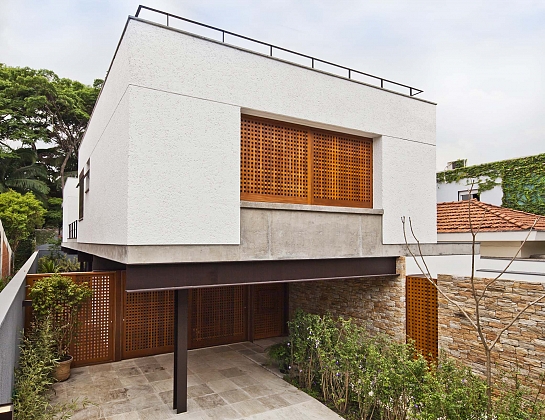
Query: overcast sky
482,62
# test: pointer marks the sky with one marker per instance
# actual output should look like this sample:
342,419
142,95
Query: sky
482,62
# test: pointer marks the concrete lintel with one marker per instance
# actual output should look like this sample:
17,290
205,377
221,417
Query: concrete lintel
307,207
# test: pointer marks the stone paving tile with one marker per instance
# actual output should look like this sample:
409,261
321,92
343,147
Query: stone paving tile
223,383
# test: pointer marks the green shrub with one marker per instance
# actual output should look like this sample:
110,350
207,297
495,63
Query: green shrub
451,391
280,354
34,375
373,377
4,282
61,299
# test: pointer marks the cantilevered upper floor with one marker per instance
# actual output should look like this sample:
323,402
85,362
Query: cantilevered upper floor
201,150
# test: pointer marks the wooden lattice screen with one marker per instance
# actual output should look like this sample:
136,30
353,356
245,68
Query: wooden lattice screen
149,323
95,334
268,315
422,313
217,315
288,163
6,262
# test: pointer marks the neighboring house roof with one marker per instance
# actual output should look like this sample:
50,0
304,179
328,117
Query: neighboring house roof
453,217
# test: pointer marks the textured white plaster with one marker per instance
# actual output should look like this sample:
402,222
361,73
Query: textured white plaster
184,170
408,189
175,62
182,98
105,204
110,97
447,192
460,265
70,205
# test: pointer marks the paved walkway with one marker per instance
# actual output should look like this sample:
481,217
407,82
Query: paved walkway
224,382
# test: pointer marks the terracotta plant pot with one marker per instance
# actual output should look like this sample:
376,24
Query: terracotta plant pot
62,370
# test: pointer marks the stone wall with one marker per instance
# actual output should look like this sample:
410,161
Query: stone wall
522,344
375,302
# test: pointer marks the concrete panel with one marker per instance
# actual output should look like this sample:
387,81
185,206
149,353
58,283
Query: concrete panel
255,239
184,170
314,235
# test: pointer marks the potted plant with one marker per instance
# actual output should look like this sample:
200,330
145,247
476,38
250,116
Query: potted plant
60,298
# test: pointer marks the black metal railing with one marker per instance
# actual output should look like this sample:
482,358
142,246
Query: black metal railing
73,230
271,48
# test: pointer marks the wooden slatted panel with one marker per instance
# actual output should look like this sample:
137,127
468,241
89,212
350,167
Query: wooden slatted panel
217,316
149,323
342,170
6,263
95,334
95,338
268,306
273,161
422,316
288,163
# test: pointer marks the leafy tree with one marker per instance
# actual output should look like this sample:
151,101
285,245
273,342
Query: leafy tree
20,215
20,172
39,105
53,217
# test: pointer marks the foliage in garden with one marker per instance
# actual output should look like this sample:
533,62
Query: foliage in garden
20,215
522,181
59,298
373,377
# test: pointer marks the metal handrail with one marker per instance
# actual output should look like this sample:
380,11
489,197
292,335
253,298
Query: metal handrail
412,91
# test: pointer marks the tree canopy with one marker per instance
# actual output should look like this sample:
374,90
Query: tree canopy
20,215
38,105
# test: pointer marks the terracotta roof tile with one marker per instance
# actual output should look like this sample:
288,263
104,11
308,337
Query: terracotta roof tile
454,217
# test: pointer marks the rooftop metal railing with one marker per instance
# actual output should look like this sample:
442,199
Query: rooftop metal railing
271,48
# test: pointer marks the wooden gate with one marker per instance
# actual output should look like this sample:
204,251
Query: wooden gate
217,315
422,315
96,334
118,325
268,311
149,323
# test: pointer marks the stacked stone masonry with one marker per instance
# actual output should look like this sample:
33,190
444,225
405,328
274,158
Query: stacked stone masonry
522,345
377,303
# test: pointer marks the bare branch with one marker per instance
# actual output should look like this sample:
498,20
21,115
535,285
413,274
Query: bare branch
529,305
511,261
428,276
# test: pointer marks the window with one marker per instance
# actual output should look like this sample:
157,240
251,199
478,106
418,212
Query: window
83,185
466,195
81,193
288,163
87,175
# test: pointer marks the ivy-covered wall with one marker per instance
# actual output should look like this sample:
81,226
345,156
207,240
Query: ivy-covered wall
522,181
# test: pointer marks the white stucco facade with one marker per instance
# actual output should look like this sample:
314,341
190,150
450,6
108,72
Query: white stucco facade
69,205
163,143
447,192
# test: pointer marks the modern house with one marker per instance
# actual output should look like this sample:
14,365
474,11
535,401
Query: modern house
250,183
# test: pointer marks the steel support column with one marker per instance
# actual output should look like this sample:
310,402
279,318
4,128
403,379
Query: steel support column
180,351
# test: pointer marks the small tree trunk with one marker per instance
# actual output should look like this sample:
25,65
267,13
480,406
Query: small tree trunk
63,166
488,383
